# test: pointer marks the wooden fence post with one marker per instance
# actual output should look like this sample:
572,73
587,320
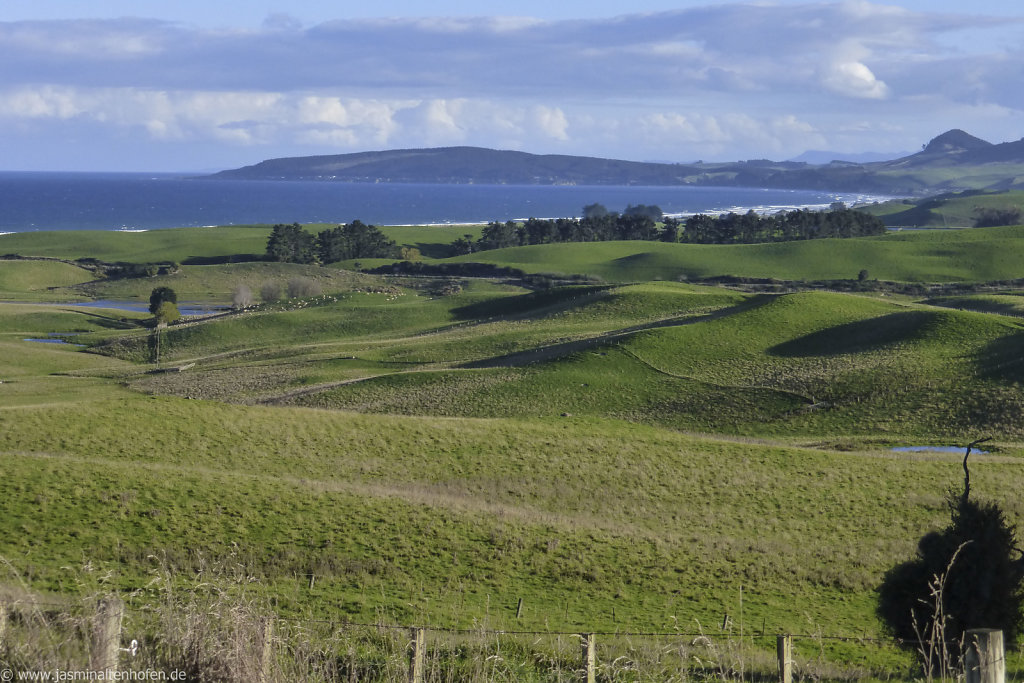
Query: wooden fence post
3,622
784,649
589,657
417,655
106,635
984,658
266,650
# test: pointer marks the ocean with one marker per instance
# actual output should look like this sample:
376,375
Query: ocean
140,201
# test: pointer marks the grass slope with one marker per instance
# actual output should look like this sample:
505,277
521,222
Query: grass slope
182,244
619,456
800,364
34,280
451,521
944,211
956,256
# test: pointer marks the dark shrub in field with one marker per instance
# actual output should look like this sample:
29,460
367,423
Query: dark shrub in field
982,587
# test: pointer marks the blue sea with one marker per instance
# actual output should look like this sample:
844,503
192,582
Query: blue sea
140,201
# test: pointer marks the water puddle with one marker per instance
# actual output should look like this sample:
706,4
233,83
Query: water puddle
56,338
936,449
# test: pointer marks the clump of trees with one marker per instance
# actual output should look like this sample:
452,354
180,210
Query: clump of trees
785,226
293,244
990,218
642,223
160,296
123,270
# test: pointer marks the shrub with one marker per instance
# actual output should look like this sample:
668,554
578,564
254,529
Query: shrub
160,295
167,312
299,287
990,218
982,588
270,292
242,297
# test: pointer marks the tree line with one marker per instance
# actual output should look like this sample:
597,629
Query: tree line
293,244
646,223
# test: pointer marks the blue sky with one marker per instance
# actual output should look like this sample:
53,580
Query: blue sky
189,86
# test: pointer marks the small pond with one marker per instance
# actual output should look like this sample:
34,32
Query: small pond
185,308
54,339
937,449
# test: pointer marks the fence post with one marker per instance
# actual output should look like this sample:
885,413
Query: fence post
266,650
984,659
784,649
106,635
417,655
3,623
589,657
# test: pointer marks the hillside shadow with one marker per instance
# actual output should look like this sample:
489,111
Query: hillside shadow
223,259
106,321
535,304
1002,359
435,249
859,336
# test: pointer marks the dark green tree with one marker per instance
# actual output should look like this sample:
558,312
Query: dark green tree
290,244
669,230
982,587
595,211
992,217
652,211
159,296
354,240
497,235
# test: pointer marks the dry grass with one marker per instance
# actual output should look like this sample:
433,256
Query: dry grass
211,633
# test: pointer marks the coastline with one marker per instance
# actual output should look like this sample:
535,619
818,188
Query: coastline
140,202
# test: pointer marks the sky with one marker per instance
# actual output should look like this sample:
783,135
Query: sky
185,86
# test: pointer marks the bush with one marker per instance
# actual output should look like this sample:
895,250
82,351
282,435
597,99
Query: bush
242,297
167,313
160,295
270,292
982,588
299,287
990,218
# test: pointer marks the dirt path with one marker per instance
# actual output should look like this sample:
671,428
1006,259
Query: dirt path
520,358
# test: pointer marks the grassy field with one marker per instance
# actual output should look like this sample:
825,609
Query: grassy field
955,256
32,280
642,456
975,255
947,211
182,245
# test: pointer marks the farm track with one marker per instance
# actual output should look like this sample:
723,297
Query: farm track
521,358
538,355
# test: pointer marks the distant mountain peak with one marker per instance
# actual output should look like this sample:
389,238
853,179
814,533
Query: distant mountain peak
955,140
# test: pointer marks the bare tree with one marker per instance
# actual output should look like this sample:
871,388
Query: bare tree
242,297
270,292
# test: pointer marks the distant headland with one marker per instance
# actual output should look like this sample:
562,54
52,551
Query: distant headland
952,161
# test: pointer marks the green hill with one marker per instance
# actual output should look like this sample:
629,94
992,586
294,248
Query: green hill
621,456
954,160
923,256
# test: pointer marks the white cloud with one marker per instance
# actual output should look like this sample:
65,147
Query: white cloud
550,121
721,80
248,118
717,136
854,79
46,102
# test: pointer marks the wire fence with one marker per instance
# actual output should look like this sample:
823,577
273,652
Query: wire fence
223,639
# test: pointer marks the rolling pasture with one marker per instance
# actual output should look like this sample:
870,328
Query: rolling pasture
629,455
